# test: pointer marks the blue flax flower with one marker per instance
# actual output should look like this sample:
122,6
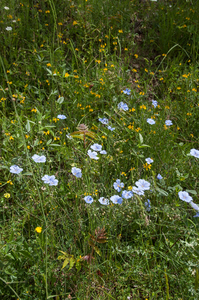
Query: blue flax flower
194,205
151,121
92,154
138,191
110,128
159,177
118,185
123,106
103,201
168,123
127,194
103,121
96,147
39,159
184,196
127,91
148,205
149,160
76,172
15,169
50,180
88,199
61,117
143,184
116,199
154,103
194,153
103,152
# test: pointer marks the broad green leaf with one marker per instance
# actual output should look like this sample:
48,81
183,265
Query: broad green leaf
65,262
78,265
72,262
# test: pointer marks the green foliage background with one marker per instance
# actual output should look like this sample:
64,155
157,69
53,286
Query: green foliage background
76,58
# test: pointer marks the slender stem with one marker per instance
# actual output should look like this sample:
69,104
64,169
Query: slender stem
10,288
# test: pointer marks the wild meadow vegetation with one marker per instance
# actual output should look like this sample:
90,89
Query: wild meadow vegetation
99,150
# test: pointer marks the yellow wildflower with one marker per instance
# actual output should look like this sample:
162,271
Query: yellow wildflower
7,195
38,229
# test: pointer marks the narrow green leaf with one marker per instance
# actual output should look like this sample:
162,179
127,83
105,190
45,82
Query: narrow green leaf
60,100
27,174
48,142
27,126
97,250
91,243
161,191
141,138
191,192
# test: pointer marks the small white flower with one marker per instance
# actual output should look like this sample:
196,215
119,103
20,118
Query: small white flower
6,8
69,136
8,28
